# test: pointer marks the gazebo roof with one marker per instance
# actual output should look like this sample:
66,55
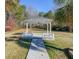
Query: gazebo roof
38,20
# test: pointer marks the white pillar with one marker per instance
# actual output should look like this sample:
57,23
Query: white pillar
26,27
50,27
30,27
47,28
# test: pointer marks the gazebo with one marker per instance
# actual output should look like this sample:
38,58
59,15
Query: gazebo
40,20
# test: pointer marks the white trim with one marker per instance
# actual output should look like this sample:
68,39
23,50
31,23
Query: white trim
50,27
47,28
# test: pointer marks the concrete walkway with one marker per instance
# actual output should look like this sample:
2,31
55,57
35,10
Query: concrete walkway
37,49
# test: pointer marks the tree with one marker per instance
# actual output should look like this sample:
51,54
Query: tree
21,14
60,18
68,11
17,11
10,6
59,1
41,14
10,9
49,15
69,15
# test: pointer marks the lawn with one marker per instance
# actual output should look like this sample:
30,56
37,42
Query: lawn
18,49
55,48
15,47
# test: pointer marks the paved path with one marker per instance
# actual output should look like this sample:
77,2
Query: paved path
37,49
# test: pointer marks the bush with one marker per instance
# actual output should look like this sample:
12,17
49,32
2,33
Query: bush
8,28
58,28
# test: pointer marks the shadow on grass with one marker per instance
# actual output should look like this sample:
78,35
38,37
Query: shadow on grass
36,41
66,51
25,43
18,33
22,42
12,38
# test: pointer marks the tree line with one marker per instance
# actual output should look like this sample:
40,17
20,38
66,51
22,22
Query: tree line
63,16
16,11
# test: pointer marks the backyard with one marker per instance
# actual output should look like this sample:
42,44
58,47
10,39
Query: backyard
15,47
36,29
18,49
56,47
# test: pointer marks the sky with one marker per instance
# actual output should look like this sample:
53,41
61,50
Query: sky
39,5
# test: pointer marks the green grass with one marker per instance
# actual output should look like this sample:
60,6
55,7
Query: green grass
55,47
16,49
